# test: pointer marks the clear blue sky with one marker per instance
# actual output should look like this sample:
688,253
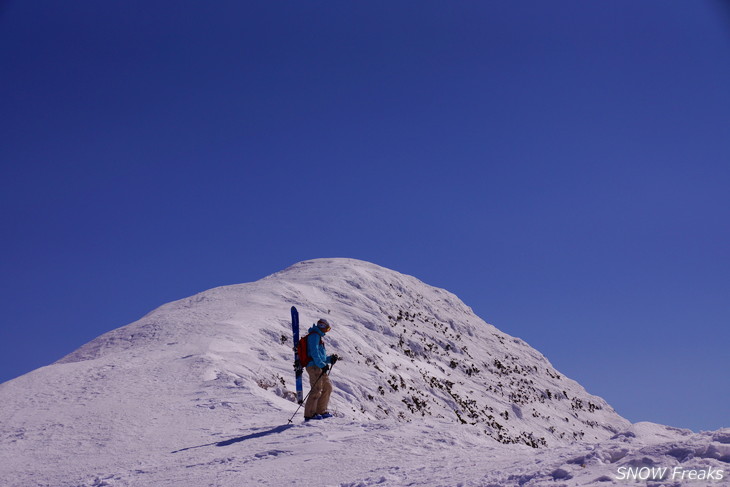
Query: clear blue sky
562,166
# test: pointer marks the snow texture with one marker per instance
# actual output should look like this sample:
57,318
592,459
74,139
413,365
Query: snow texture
199,391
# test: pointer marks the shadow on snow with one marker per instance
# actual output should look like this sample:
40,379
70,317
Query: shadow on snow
258,434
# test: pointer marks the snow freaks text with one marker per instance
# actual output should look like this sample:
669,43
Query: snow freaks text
665,473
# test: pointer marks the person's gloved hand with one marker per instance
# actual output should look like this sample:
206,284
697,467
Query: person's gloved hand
325,369
334,358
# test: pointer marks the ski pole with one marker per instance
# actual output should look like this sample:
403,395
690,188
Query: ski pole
308,393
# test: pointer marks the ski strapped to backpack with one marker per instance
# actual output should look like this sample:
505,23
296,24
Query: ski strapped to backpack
298,367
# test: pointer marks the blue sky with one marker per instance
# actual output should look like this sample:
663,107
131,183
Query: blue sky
562,166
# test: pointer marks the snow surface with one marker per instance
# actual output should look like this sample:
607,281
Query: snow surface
199,392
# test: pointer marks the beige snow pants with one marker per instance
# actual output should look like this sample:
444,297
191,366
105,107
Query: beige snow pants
319,396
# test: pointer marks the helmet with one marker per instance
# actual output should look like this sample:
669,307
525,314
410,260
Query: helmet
324,325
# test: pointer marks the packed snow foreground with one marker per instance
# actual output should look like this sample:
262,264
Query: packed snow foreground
199,391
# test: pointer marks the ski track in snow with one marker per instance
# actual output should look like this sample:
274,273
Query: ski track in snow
199,391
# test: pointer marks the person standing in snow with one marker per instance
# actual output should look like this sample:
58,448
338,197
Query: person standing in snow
321,387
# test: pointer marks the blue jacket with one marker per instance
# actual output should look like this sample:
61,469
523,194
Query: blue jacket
315,348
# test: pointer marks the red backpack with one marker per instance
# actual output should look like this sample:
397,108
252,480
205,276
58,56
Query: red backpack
302,352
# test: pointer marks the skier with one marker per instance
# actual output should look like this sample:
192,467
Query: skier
319,395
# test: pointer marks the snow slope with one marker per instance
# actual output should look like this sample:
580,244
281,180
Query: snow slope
199,391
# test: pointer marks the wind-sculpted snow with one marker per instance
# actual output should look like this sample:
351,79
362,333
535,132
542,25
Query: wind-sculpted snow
199,391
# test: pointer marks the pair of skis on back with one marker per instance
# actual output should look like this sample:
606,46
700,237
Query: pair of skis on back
298,366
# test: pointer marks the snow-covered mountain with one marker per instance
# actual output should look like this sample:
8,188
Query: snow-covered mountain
199,391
